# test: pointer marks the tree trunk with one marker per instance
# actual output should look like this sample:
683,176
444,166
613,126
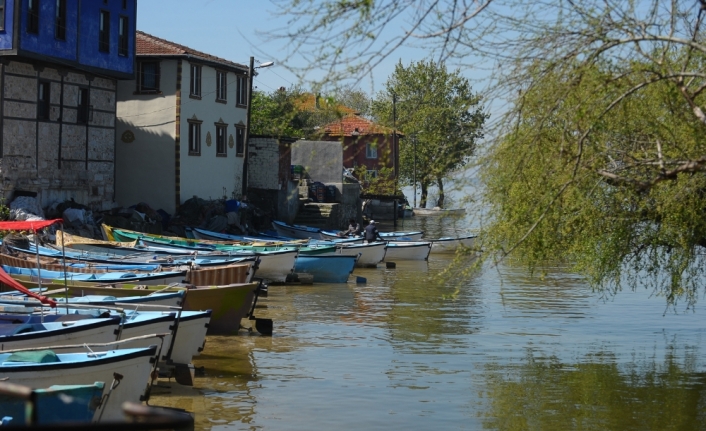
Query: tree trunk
425,191
440,185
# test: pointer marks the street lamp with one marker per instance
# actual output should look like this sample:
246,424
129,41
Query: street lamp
251,76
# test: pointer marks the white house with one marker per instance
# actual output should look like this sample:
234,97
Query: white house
180,128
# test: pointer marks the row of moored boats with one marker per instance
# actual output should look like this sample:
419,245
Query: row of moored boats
101,320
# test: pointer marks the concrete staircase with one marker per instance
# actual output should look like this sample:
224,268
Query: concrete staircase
320,215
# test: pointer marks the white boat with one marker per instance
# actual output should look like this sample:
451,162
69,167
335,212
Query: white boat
186,338
449,244
190,337
407,250
276,265
143,323
185,330
296,231
436,211
332,235
35,333
370,254
402,236
388,236
40,369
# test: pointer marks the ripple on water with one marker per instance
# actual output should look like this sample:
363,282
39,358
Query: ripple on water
500,350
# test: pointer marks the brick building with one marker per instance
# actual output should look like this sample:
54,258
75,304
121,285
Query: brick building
366,145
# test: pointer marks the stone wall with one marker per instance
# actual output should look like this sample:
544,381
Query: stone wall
263,160
270,184
58,158
322,160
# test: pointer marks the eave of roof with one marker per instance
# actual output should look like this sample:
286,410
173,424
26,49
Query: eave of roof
152,46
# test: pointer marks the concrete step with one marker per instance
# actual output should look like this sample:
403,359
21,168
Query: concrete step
320,215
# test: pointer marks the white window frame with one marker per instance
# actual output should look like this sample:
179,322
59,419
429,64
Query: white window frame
371,150
221,86
195,81
194,137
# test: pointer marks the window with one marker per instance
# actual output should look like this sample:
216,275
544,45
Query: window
122,36
194,138
221,133
239,140
83,106
104,32
124,4
221,86
371,150
195,86
149,77
33,16
60,22
370,175
43,101
241,97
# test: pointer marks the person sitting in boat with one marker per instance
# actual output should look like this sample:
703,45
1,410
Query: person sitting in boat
372,233
353,229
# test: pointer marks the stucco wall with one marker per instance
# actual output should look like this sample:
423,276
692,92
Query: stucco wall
145,165
57,158
323,160
208,175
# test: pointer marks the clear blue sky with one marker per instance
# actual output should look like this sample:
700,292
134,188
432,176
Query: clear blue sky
229,29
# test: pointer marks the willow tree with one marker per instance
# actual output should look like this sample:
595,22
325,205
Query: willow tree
603,162
439,115
599,157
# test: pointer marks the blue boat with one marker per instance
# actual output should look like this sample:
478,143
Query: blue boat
296,231
165,277
326,269
142,259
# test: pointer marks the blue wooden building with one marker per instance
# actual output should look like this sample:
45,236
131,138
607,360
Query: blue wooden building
59,65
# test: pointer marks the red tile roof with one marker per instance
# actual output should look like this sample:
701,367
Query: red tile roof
148,45
353,125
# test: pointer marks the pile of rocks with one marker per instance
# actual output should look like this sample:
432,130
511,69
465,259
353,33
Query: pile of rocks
231,216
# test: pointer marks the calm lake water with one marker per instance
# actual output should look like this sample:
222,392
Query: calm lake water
500,350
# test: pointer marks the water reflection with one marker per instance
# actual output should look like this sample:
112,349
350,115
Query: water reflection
553,290
223,390
598,393
501,349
